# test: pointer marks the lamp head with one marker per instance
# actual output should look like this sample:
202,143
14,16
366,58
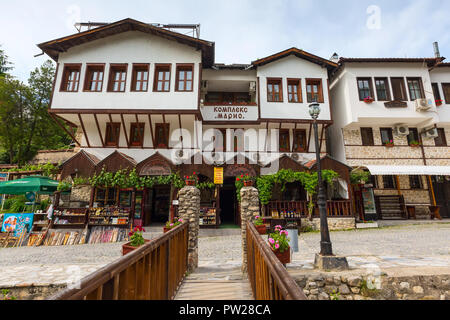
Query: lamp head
314,110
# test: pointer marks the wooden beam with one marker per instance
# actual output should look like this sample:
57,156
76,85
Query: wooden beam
321,138
433,195
181,130
267,135
99,130
84,130
141,138
397,181
151,130
125,130
293,137
309,137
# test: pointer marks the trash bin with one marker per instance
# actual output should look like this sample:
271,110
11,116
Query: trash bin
293,236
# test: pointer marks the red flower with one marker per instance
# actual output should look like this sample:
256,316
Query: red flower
194,173
130,234
247,174
143,229
242,175
237,179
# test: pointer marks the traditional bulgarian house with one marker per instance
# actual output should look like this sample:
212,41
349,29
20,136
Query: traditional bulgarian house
387,121
138,96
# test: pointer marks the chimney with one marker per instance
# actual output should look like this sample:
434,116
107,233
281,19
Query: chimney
334,58
437,54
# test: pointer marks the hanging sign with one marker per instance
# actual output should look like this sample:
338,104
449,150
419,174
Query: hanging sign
218,175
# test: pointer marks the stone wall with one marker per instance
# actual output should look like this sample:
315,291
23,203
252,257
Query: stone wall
32,292
368,287
333,223
249,209
189,210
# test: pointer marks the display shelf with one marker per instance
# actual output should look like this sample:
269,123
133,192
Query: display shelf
208,218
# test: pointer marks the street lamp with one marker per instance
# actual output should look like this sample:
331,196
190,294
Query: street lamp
325,242
325,260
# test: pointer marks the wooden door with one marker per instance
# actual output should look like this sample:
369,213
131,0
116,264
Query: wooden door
441,187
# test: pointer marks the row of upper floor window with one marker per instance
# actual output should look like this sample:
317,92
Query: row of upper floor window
162,132
390,182
275,92
117,78
387,137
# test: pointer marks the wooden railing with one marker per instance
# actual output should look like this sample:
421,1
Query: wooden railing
152,272
268,277
340,208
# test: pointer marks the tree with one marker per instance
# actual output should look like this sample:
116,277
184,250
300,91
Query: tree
25,125
5,65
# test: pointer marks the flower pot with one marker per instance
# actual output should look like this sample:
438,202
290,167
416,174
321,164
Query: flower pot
168,229
284,257
190,182
261,229
127,247
248,183
368,101
389,145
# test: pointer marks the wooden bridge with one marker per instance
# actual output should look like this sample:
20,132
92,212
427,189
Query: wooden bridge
158,271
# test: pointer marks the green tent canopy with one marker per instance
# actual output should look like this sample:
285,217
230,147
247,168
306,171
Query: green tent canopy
37,184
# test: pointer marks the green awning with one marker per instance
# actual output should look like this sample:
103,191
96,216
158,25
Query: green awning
38,184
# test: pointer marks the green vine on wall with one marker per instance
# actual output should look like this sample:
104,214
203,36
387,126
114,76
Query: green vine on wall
47,169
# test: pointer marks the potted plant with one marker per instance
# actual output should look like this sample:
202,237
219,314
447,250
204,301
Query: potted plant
414,144
191,180
246,179
369,100
439,102
259,225
279,242
137,240
172,224
389,144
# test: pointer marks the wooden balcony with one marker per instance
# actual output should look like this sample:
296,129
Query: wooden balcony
335,208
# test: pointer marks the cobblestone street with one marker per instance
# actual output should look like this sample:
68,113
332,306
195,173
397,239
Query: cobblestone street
412,246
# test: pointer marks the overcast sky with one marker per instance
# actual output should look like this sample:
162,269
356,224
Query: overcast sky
243,30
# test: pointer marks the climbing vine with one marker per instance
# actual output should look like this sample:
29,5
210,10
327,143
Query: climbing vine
359,176
265,184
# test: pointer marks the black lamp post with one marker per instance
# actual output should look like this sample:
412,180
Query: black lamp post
325,242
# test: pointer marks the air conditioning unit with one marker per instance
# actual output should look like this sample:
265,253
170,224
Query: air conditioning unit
422,105
401,130
252,88
431,133
204,86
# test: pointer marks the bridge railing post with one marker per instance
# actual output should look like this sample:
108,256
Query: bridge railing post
189,210
249,209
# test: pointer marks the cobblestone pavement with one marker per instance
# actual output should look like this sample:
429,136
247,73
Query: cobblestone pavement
412,246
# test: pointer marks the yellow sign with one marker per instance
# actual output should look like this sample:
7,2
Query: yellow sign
218,175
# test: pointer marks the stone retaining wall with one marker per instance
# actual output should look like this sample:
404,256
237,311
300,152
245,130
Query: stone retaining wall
368,287
333,223
32,292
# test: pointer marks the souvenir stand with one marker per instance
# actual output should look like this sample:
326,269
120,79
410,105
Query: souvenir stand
109,216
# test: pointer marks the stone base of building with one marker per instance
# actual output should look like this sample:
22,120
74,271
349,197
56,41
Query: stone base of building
329,263
369,287
333,223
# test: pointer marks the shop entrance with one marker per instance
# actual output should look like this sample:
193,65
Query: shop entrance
228,203
156,205
441,187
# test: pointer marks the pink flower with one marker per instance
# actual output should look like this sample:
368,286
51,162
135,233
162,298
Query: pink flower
271,241
257,217
277,246
171,224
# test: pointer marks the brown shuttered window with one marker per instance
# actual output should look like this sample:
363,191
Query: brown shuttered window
112,134
446,90
398,89
117,78
367,136
139,81
441,140
185,78
94,78
285,145
314,91
294,91
365,88
162,135
71,78
137,131
300,141
162,78
274,90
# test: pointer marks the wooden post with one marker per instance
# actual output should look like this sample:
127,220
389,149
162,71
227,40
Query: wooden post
397,180
433,196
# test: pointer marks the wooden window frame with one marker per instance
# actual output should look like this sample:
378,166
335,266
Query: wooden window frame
372,143
158,67
284,131
405,91
298,149
90,67
320,93
107,142
416,133
394,182
391,135
68,68
184,67
388,91
436,92
298,84
371,93
446,96
138,67
422,91
419,187
134,126
443,137
166,130
113,68
273,81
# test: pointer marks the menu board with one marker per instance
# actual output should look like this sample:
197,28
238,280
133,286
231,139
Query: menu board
369,201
